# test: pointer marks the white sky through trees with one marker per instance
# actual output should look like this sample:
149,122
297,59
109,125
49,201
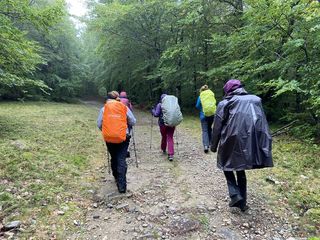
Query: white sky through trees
77,9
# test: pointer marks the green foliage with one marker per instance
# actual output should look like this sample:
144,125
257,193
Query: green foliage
63,70
155,44
102,92
273,46
148,47
278,57
13,86
37,42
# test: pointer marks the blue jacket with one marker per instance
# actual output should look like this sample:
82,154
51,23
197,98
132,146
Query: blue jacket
199,106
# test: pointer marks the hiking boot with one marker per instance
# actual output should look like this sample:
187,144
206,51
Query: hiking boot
242,205
235,201
244,208
122,189
206,149
170,158
164,151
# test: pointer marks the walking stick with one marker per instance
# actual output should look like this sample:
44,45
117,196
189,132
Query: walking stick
134,148
109,163
177,141
151,131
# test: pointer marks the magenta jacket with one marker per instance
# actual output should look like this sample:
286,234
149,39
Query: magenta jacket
124,99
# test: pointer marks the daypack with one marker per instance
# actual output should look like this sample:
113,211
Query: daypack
171,112
208,102
114,123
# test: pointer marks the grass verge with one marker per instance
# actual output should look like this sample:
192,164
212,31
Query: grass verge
294,179
48,152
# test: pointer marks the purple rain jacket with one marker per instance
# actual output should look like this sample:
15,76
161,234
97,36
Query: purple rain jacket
157,111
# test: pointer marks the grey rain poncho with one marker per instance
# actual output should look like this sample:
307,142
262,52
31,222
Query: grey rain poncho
242,133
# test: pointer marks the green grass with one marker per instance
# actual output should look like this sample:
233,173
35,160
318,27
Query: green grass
61,145
297,169
192,124
204,220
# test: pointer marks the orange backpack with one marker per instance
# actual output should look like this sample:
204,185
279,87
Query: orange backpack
114,123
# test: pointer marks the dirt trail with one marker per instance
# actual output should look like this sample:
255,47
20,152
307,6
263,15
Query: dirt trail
183,199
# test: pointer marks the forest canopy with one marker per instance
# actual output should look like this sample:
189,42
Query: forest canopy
151,46
39,53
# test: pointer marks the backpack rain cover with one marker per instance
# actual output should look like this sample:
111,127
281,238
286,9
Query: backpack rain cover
172,115
208,102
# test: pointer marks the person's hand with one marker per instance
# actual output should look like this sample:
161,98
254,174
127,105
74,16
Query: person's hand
213,149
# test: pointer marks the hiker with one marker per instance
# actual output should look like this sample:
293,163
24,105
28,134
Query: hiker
114,121
241,128
206,103
170,116
124,99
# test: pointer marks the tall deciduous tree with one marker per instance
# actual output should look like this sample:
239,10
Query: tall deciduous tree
20,55
40,52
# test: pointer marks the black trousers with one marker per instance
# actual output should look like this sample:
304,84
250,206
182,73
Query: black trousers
118,152
237,186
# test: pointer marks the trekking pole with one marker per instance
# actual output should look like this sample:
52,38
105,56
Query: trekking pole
134,148
177,141
151,131
109,163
